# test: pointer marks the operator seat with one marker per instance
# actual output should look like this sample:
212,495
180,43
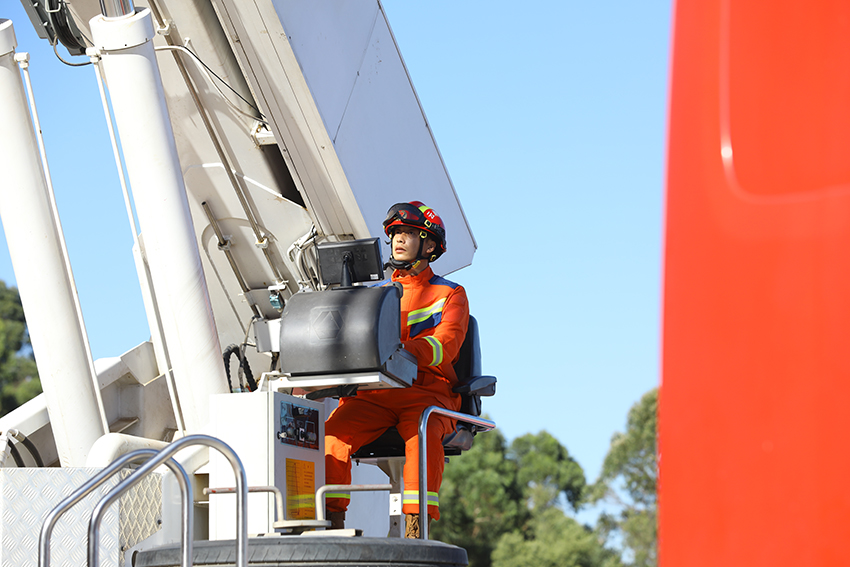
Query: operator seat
471,386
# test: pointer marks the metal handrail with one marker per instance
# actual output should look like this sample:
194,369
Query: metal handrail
278,495
320,494
162,456
485,424
100,478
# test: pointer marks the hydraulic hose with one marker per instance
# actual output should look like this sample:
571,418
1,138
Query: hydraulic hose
19,462
243,365
18,436
33,451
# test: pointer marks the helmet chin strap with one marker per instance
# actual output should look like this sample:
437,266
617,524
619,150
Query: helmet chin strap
399,265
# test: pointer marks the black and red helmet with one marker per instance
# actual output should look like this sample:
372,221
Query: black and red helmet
420,216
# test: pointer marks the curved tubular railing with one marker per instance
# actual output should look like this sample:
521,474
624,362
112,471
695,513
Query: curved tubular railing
278,495
484,424
101,477
162,456
320,494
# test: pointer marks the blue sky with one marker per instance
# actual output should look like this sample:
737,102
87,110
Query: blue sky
551,119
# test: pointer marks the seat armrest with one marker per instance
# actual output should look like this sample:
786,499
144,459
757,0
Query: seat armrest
478,385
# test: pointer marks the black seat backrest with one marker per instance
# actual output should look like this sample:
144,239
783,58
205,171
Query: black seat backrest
468,365
469,358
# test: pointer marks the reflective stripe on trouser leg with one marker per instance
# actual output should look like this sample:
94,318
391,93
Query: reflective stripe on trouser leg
342,495
337,501
437,428
411,497
337,471
350,426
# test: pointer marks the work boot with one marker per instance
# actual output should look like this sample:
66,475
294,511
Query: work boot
337,520
411,526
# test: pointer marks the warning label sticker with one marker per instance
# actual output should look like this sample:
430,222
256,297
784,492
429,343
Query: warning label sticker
300,490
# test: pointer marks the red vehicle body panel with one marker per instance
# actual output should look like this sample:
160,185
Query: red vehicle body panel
754,418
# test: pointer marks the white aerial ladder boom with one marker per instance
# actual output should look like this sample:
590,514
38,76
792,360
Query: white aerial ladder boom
250,132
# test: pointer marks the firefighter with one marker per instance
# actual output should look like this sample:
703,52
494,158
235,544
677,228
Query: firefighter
434,319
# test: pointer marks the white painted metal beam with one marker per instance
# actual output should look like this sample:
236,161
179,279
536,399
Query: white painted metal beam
150,155
43,276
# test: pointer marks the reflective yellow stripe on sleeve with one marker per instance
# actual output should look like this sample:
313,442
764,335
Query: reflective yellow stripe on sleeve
437,347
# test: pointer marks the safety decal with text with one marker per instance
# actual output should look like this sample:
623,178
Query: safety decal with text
300,490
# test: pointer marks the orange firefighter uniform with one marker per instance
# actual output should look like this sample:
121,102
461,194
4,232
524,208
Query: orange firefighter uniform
434,318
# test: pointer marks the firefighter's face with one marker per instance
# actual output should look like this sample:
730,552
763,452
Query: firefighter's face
405,244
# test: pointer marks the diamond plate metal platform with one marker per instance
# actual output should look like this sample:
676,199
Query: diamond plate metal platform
28,495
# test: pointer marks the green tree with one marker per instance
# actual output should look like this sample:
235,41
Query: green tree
18,374
546,471
553,540
504,505
629,481
480,498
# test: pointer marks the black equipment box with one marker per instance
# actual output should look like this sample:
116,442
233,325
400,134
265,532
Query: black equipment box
340,331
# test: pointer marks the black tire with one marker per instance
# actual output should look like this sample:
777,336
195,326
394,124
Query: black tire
308,551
